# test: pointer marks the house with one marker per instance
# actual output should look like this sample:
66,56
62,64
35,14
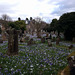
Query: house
34,26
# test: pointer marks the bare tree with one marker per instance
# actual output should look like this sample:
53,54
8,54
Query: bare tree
5,17
4,20
37,25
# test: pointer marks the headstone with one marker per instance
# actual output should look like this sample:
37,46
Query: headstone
1,41
43,39
16,32
47,35
70,68
4,35
38,34
31,42
57,41
53,39
22,39
12,41
49,43
71,46
24,35
71,62
54,36
27,38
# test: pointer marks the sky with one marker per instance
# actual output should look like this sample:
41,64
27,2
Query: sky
45,9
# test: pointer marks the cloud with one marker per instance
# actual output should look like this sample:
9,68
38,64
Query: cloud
63,7
6,8
46,9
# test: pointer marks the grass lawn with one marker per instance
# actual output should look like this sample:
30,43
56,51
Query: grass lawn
38,59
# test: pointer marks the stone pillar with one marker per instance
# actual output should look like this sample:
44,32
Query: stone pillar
12,42
16,41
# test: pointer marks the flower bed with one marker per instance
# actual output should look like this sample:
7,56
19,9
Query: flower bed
38,59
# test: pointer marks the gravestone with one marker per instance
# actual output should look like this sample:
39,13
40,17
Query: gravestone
24,35
43,39
71,46
53,39
47,35
49,43
71,62
22,39
27,38
4,35
70,68
57,41
12,42
31,42
1,41
38,34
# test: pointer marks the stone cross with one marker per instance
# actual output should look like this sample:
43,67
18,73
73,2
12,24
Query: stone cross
12,41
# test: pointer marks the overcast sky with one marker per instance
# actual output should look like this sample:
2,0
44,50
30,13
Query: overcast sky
46,9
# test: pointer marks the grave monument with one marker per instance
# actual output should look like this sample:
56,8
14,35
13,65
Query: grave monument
12,41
